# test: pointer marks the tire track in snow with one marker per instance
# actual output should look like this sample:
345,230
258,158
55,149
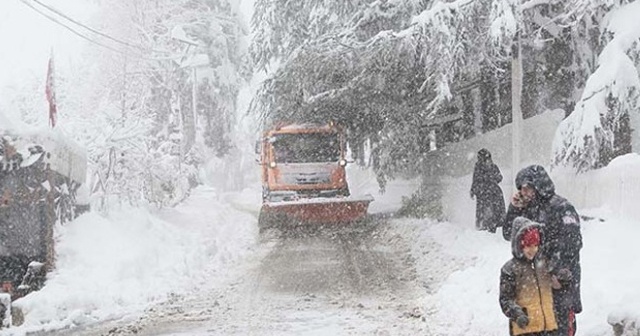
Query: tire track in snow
357,280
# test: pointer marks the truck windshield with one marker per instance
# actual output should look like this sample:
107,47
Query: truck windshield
303,148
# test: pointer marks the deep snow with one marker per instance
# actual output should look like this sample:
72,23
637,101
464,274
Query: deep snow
108,267
467,302
114,267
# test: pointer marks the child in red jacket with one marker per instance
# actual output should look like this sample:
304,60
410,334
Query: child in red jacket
526,285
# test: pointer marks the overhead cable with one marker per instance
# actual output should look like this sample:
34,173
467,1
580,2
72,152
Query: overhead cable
124,52
132,45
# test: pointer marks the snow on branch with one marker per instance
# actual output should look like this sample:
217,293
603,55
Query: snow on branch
434,14
533,3
333,93
611,92
504,24
445,28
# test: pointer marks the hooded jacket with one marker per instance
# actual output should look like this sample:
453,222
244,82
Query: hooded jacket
525,285
562,230
490,209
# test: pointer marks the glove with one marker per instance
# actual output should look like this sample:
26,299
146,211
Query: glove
522,321
555,284
564,275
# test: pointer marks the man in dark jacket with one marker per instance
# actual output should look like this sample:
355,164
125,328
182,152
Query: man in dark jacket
536,200
489,196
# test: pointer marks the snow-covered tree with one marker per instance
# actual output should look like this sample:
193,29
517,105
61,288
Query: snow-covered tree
130,100
385,69
205,64
370,69
605,118
389,69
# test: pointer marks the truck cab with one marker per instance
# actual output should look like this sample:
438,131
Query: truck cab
303,161
304,178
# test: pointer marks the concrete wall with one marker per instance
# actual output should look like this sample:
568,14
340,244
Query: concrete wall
458,159
453,165
616,186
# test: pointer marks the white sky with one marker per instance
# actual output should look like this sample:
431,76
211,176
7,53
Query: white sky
26,38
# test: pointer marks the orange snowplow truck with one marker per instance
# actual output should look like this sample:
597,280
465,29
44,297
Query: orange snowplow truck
304,179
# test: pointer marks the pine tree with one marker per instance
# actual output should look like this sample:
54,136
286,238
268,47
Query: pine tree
135,107
601,125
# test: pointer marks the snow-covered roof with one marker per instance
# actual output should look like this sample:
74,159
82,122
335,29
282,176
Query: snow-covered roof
62,154
9,122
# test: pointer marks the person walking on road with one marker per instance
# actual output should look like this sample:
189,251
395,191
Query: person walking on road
537,200
487,193
526,285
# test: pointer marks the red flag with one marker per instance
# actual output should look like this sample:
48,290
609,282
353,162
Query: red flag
51,93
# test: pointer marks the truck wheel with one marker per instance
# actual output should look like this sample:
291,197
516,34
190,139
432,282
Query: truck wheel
264,222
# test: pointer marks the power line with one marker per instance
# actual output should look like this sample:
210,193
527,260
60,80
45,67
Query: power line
68,28
52,9
86,37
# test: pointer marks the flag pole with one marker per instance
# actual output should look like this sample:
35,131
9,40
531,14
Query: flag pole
50,91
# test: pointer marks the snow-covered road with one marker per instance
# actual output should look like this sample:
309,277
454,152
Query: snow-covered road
353,280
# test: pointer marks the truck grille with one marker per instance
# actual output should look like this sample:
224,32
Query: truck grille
306,178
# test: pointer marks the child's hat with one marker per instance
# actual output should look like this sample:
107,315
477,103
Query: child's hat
530,237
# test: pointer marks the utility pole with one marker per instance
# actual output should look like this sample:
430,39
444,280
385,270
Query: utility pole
195,60
194,98
123,94
516,96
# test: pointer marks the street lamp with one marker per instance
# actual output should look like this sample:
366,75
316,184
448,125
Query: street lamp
193,62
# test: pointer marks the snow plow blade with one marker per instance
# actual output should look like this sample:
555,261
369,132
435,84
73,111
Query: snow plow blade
313,211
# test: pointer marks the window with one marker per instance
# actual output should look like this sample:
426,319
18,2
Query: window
304,148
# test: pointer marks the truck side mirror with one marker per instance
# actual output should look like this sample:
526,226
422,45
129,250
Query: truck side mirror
257,147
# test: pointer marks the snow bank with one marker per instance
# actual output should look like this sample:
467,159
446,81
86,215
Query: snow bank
111,267
466,303
466,299
615,187
362,182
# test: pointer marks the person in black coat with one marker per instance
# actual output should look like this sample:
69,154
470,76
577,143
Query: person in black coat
487,192
537,200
